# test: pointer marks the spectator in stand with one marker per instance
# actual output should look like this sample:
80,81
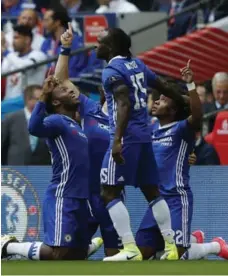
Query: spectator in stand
13,7
28,17
22,56
116,6
18,147
216,10
180,25
55,23
4,53
220,92
201,90
205,153
75,6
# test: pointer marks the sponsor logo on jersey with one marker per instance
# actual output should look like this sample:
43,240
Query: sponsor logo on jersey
20,206
166,141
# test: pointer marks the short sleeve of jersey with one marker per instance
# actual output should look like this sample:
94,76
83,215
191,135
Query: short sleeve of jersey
86,105
151,77
186,131
111,78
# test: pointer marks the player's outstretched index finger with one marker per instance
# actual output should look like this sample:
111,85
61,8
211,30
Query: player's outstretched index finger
70,29
49,72
189,63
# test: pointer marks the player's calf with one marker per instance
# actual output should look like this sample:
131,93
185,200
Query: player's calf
39,251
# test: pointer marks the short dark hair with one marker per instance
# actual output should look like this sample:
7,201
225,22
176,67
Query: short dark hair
121,42
29,91
183,108
23,30
60,13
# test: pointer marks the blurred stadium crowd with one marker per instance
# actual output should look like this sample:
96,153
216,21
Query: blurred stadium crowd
31,33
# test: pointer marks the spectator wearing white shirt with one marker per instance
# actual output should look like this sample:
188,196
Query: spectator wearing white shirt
22,56
116,6
28,18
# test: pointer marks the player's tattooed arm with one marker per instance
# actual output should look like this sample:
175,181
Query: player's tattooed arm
121,96
196,108
61,69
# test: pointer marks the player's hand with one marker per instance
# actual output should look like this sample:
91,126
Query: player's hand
187,73
192,159
116,152
49,84
67,37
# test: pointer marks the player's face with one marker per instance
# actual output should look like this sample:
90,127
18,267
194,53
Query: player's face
65,96
163,107
103,50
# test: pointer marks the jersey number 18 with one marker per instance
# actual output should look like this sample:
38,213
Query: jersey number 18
140,91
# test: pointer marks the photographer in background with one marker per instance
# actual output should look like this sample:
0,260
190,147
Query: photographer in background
18,146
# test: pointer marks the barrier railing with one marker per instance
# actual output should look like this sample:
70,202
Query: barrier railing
47,61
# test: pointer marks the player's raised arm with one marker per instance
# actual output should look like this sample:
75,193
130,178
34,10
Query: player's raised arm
39,124
162,87
196,108
121,96
61,69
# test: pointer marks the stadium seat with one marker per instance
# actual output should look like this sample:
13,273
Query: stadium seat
219,137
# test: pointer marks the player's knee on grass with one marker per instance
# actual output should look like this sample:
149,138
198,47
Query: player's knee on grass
150,192
109,193
62,253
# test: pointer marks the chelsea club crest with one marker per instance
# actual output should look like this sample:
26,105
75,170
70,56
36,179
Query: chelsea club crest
20,214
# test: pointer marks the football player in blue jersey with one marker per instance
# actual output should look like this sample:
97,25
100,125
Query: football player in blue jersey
130,159
65,207
173,139
94,120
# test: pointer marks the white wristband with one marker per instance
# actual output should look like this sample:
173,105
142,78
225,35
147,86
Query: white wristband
191,86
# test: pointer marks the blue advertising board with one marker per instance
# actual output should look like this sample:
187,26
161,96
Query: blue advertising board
23,190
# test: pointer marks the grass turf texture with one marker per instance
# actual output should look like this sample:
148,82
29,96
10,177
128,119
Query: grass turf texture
117,268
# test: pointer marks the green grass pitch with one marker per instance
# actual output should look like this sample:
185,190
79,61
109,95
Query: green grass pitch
117,268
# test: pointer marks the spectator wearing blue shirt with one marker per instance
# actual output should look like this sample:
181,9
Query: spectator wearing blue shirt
13,7
55,23
182,24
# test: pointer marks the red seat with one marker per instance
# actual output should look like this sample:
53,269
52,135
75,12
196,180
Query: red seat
219,136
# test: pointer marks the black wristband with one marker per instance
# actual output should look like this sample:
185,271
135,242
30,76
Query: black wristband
65,51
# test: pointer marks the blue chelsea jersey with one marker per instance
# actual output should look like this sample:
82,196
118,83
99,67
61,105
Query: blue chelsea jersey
172,145
96,127
134,74
68,146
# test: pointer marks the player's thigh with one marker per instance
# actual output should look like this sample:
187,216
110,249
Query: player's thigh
147,172
113,174
148,237
66,223
181,208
